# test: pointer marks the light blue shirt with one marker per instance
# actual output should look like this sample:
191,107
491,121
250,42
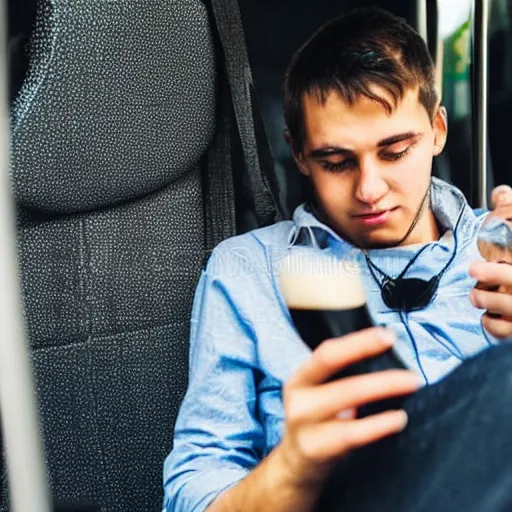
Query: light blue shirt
243,345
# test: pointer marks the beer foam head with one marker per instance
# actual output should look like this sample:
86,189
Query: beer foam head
316,281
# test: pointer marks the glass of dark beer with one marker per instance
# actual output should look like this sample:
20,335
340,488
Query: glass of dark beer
326,299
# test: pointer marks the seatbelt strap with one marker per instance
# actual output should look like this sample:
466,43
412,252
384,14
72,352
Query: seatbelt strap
219,189
257,155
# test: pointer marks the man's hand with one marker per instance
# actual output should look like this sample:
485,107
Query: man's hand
494,291
321,423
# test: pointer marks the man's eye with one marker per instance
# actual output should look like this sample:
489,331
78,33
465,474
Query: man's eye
338,166
396,156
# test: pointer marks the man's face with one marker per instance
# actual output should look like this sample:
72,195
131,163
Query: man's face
370,170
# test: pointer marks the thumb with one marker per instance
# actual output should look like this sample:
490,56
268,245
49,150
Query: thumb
501,196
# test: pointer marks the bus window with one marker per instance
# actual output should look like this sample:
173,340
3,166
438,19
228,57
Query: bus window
500,87
454,33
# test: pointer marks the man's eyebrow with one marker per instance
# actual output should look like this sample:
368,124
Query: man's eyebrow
326,151
397,138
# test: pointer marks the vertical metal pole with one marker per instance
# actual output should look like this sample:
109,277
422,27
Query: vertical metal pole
438,49
421,19
24,453
480,130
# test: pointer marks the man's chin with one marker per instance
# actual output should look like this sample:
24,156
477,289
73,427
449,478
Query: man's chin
377,240
391,234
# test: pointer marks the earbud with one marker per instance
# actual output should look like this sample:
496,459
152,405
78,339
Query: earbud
409,294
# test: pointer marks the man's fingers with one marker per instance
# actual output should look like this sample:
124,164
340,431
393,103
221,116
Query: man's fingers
497,299
373,428
497,274
338,353
320,403
501,195
334,439
502,211
494,302
501,328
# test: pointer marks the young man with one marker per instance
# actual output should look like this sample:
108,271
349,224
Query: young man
260,428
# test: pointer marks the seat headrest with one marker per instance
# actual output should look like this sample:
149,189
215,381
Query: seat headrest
119,101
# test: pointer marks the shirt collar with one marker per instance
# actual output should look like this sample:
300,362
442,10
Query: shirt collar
447,202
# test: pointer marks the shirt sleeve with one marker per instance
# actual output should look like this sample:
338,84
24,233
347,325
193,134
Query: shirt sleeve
218,438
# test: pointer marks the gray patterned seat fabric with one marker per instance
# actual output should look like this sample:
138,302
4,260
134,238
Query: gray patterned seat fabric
114,132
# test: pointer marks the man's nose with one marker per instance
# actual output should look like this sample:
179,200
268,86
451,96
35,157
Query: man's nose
370,186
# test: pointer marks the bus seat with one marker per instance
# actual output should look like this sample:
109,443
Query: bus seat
123,154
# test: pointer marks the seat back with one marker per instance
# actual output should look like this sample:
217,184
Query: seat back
114,129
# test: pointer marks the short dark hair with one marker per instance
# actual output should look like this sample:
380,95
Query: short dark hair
365,47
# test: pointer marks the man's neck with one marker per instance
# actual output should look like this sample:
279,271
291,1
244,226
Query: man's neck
427,230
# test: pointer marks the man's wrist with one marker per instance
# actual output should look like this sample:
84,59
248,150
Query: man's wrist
291,487
295,477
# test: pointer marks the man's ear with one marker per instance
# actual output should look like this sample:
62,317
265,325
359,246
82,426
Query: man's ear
440,129
297,155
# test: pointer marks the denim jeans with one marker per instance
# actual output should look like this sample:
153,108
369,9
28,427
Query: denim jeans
455,454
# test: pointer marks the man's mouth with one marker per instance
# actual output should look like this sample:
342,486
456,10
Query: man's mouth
375,218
